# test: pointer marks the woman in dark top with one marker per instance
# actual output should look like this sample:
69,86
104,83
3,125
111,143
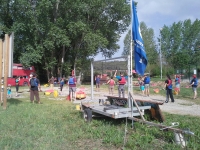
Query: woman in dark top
17,85
168,87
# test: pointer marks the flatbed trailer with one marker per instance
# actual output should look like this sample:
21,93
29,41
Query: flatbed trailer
116,107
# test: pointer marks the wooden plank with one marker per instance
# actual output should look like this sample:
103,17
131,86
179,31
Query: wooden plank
114,97
118,103
6,60
141,115
125,109
163,127
150,101
1,66
117,115
136,99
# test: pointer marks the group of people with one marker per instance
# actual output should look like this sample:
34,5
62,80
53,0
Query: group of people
111,82
144,82
9,92
71,83
168,87
35,87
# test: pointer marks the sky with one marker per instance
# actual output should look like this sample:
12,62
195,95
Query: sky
157,13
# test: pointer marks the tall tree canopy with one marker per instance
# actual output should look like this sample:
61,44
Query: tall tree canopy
180,44
60,34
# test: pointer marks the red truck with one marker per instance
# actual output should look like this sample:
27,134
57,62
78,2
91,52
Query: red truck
22,72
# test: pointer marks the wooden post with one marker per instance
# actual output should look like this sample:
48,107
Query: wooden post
6,61
1,55
136,106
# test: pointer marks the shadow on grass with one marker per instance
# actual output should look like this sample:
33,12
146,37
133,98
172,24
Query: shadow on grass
14,101
108,120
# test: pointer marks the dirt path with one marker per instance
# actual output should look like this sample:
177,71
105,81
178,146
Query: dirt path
180,106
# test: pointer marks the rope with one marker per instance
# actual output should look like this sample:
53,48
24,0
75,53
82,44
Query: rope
125,133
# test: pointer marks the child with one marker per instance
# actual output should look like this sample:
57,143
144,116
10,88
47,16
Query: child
141,83
97,79
9,92
111,83
177,84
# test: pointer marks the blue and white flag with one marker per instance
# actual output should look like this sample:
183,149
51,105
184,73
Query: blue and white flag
139,50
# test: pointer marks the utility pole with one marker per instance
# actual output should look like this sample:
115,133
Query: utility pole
160,56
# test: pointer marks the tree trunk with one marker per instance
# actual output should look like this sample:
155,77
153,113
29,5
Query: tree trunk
79,78
62,61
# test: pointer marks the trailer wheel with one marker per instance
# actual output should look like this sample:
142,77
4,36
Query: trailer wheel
87,115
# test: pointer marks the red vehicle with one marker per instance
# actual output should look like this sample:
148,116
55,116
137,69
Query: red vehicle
23,73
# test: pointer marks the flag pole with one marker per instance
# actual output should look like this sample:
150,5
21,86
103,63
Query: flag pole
131,51
131,64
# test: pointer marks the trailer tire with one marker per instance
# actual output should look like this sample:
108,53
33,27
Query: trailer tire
87,115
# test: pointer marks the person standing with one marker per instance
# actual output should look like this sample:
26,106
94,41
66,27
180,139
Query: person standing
141,83
177,83
146,84
194,84
111,83
97,80
9,93
121,83
17,85
72,87
51,81
168,87
61,84
34,88
30,77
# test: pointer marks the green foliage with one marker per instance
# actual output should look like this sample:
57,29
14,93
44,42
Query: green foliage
50,31
127,43
180,44
149,43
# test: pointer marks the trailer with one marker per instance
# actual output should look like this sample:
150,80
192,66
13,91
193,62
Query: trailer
116,107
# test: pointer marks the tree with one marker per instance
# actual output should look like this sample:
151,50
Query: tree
180,44
149,44
49,31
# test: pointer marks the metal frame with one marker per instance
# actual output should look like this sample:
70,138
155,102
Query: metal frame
112,110
92,73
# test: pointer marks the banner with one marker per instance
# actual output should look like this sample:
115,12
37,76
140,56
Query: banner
139,50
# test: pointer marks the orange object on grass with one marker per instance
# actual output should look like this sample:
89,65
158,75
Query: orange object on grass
156,90
50,90
176,89
80,95
68,97
175,92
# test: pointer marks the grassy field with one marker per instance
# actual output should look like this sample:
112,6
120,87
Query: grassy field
57,125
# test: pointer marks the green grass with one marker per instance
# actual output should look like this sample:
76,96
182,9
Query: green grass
56,125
